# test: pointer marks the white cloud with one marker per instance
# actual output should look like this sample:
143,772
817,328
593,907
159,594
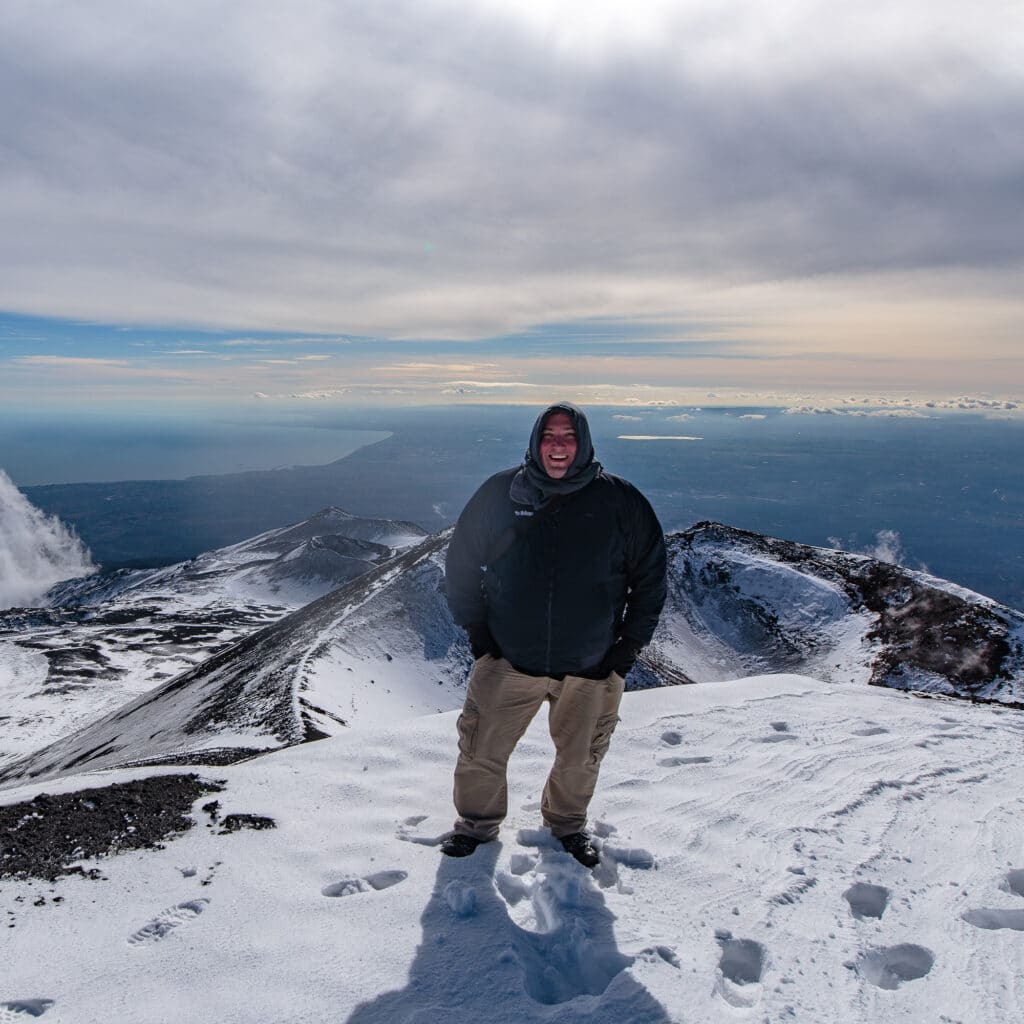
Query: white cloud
676,156
49,368
492,384
899,413
71,362
433,367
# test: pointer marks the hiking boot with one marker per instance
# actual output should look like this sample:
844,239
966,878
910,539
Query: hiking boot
579,845
459,845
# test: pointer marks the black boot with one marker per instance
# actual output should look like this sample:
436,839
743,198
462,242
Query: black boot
579,845
459,845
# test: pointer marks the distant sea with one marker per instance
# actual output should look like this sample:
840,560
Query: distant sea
43,449
944,493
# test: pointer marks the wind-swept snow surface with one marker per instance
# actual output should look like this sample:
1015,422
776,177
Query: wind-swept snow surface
774,849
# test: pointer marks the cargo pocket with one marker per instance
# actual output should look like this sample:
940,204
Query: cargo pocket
469,722
602,737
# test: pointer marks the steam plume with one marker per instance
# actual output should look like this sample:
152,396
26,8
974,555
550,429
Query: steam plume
888,547
36,550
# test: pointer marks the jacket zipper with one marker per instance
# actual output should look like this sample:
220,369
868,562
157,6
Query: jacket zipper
551,590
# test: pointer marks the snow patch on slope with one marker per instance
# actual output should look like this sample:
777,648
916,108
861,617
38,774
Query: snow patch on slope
305,676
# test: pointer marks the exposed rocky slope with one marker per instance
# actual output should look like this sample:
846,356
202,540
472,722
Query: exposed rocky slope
741,603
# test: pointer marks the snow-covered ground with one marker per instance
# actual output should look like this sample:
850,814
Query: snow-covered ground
108,638
775,849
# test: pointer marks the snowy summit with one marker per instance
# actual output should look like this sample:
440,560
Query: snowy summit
826,828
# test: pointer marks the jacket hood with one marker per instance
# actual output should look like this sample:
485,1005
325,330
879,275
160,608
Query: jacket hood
584,446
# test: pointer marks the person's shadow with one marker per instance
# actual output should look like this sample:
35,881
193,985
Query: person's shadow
476,964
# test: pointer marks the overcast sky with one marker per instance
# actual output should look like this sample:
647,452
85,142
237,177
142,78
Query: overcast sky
302,196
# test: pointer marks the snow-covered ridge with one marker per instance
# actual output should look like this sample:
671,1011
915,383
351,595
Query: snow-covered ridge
289,566
105,639
383,646
362,649
742,603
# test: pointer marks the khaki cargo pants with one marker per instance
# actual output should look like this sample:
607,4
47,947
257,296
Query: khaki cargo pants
500,704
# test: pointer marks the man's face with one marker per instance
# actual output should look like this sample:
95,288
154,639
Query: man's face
557,445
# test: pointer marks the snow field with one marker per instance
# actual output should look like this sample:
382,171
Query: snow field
774,849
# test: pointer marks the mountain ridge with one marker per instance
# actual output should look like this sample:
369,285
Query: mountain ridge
383,645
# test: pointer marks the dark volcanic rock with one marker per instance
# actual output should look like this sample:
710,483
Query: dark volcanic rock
934,630
45,837
236,822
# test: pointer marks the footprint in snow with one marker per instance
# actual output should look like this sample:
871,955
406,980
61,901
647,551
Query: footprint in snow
867,900
740,968
371,883
780,733
871,730
676,762
461,898
666,953
889,967
606,874
1013,882
167,920
19,1010
629,856
560,930
779,736
671,738
993,920
406,834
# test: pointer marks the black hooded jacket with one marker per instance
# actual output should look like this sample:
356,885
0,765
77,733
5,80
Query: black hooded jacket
589,572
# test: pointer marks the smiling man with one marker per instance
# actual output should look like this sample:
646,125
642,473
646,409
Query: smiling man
556,570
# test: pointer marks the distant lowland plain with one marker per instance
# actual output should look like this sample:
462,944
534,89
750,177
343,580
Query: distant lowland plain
943,493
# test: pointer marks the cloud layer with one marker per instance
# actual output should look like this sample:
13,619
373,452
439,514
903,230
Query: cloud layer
799,177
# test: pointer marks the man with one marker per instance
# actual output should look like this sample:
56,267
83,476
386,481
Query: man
556,570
